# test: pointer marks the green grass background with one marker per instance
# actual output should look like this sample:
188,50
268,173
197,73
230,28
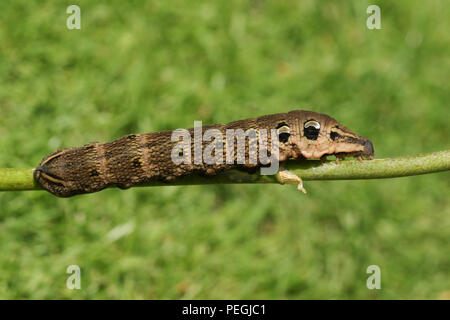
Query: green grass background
142,66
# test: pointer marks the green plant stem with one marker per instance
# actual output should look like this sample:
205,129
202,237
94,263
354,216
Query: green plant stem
22,179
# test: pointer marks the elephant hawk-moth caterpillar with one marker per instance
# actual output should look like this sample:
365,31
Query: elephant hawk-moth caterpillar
137,159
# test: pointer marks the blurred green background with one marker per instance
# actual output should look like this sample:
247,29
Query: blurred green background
142,66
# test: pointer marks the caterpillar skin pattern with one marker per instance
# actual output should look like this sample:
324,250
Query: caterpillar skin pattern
137,159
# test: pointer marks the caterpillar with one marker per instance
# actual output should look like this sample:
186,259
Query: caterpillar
137,159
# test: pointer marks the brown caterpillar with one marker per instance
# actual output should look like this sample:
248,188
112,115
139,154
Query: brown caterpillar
139,158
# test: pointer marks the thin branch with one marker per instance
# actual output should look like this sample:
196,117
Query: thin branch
17,179
22,179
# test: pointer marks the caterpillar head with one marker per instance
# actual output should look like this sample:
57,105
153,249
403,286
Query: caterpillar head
311,135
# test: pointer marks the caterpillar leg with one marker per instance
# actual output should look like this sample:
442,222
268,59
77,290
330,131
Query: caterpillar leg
339,158
284,176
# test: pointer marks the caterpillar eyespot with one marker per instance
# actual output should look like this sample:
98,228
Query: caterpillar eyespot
311,129
283,133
